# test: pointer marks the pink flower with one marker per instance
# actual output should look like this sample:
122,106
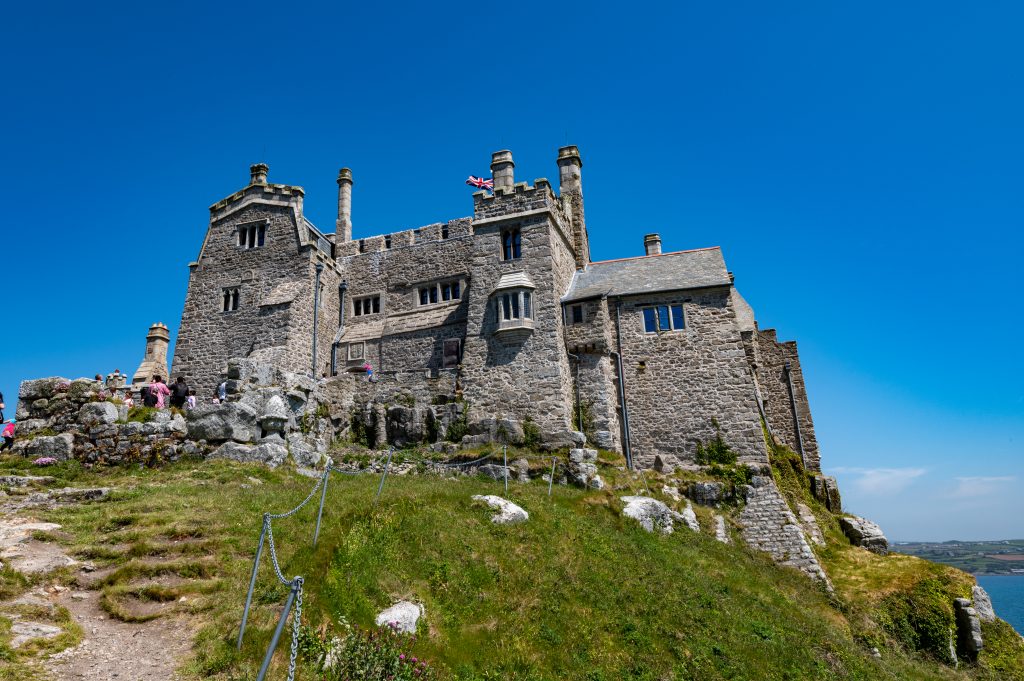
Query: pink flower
402,656
45,461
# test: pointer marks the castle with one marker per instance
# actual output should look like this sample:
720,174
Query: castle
499,320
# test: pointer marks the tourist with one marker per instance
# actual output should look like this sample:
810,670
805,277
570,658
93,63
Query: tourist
179,393
129,401
8,434
190,401
158,390
2,406
222,390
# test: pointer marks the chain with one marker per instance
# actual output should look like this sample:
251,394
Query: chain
296,623
319,481
273,550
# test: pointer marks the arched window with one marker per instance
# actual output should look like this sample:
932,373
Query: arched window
511,244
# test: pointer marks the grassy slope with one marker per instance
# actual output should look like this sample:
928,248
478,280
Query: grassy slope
578,592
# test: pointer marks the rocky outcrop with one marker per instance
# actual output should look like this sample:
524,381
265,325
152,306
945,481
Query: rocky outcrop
721,534
507,512
707,493
403,617
769,525
60,447
582,468
654,515
220,422
810,524
826,490
864,533
983,604
269,453
968,629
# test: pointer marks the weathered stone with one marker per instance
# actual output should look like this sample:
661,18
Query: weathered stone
826,490
402,617
983,604
495,471
269,453
305,451
810,524
507,512
59,447
25,480
721,534
662,465
93,414
29,426
40,388
219,422
24,631
652,514
864,533
968,629
690,518
707,493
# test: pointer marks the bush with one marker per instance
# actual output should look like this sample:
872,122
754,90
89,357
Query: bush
531,433
458,428
142,414
354,653
715,451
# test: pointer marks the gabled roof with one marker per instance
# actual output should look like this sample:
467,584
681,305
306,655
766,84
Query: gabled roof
649,274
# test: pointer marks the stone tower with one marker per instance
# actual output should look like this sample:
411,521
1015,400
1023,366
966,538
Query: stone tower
155,361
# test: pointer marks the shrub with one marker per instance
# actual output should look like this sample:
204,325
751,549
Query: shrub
142,414
531,433
715,450
368,655
458,428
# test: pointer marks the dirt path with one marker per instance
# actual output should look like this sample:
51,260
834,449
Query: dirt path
110,649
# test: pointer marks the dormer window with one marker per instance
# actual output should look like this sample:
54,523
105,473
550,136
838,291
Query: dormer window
513,302
253,235
511,244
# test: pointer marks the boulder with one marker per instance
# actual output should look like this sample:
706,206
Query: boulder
690,518
707,493
651,514
402,617
983,604
404,426
603,439
495,471
582,468
220,422
720,532
810,524
826,490
23,631
968,629
269,453
663,465
59,447
864,533
30,391
306,451
507,512
29,426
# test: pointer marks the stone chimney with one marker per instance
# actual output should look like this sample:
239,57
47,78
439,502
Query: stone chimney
155,361
501,170
569,166
652,244
344,224
258,173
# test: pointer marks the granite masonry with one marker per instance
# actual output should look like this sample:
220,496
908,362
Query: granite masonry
503,314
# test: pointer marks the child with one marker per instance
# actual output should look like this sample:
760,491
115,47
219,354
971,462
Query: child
8,435
190,401
129,401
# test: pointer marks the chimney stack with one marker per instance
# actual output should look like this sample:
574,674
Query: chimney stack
258,173
344,224
652,244
501,170
569,166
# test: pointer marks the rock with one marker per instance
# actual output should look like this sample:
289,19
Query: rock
672,493
720,532
603,439
220,422
60,447
404,426
707,493
651,514
29,391
402,617
304,452
69,494
968,629
810,524
508,513
29,426
663,466
582,468
826,490
560,439
269,453
177,425
24,631
983,604
495,471
864,533
24,480
690,518
522,469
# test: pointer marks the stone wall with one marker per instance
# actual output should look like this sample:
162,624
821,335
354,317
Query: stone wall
677,383
769,357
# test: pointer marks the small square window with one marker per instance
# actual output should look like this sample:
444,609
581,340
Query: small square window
366,305
577,314
664,318
450,353
650,321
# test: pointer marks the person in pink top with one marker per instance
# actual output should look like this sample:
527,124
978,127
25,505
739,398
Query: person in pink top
8,435
160,390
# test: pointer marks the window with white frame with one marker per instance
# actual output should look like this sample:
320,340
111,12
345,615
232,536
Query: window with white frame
444,291
661,318
229,300
514,308
365,305
253,235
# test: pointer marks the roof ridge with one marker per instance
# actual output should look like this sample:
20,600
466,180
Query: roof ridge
657,255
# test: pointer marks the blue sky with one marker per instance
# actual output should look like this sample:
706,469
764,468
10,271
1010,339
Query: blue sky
861,165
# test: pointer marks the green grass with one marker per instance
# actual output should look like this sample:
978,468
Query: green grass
577,593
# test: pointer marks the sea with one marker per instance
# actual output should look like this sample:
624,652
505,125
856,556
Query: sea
1007,592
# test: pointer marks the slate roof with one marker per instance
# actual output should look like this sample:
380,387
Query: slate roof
649,274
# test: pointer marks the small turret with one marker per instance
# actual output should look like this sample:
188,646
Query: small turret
502,170
570,167
258,173
652,244
155,361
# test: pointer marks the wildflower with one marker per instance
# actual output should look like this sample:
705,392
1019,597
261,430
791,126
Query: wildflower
45,461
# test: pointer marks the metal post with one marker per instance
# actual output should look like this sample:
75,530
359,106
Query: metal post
387,466
320,513
252,582
551,480
277,632
505,474
316,311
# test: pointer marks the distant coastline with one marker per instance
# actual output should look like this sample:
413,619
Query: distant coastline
1003,557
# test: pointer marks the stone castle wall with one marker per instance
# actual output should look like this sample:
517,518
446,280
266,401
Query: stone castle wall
677,383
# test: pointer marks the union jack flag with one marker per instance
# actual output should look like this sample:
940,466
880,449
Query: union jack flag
480,182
